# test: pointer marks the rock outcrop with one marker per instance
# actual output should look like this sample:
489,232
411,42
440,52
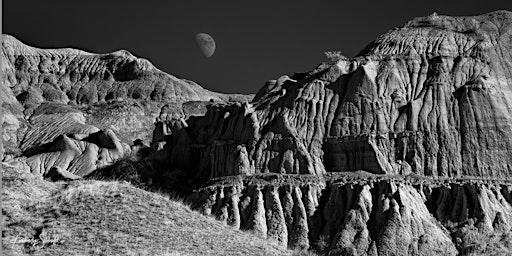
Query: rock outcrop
363,215
71,75
430,98
79,111
405,149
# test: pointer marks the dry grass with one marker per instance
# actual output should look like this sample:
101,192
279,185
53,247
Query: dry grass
113,218
469,240
148,173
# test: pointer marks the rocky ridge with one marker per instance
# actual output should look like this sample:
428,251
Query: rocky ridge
79,111
430,98
422,116
404,149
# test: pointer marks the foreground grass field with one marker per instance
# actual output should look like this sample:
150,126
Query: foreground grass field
91,217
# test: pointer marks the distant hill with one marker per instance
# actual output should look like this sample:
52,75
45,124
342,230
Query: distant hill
79,111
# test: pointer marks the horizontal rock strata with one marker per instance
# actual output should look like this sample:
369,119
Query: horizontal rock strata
405,149
431,98
373,215
78,111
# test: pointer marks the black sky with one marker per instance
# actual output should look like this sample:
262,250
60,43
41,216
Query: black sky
256,40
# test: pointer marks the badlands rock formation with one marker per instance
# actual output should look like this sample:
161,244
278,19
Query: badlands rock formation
366,214
422,118
405,149
78,111
431,98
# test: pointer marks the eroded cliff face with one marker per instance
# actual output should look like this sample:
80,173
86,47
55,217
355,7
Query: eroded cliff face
431,98
78,111
66,75
405,149
365,215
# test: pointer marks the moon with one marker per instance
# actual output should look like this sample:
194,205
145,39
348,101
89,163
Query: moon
206,44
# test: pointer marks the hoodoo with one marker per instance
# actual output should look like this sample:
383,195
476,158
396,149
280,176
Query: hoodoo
397,151
404,149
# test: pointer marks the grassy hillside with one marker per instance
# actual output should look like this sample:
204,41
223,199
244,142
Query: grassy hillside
91,217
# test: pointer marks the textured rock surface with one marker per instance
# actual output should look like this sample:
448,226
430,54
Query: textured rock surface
78,111
431,98
405,149
364,215
70,75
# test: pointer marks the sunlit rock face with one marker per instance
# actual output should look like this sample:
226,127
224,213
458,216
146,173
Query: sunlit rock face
79,111
443,85
405,149
66,75
431,98
365,215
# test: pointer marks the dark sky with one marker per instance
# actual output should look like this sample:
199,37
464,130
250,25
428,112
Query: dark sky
256,40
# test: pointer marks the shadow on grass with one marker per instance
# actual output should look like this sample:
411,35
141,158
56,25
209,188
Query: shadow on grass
150,174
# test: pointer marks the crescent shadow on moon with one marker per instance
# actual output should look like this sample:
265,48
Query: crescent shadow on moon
206,44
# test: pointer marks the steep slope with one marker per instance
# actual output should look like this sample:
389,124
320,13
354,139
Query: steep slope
357,214
405,149
110,218
430,98
66,75
79,111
